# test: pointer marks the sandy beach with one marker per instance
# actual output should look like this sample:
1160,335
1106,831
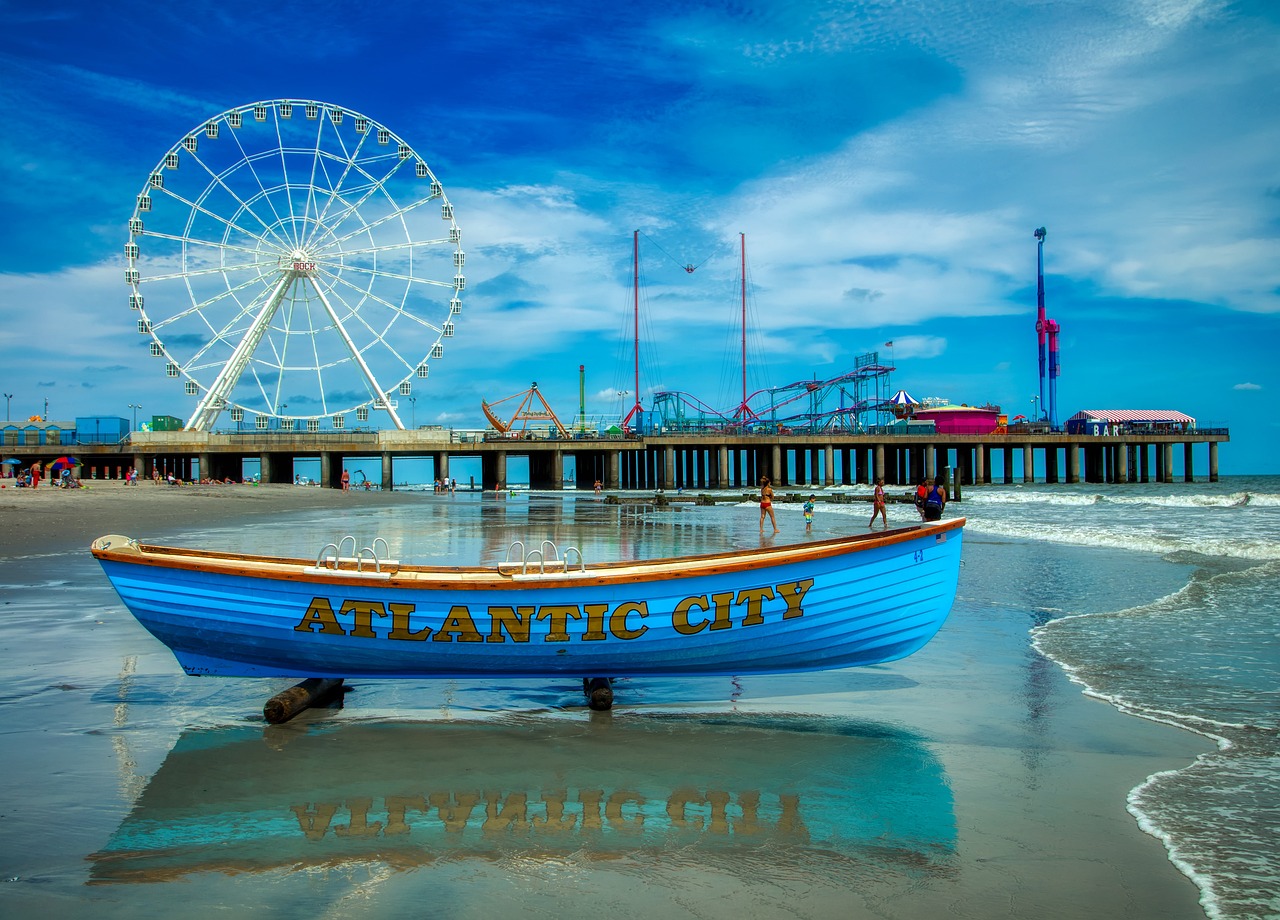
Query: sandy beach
44,519
972,780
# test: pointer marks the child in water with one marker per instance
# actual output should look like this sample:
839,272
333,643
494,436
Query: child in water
808,514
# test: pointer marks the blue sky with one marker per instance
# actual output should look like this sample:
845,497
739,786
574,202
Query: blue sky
887,163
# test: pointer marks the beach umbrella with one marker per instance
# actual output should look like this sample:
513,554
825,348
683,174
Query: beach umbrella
64,461
12,461
1019,418
903,398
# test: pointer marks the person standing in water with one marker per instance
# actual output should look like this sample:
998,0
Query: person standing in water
936,501
877,505
808,514
766,504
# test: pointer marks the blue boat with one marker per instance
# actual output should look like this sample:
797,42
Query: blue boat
351,613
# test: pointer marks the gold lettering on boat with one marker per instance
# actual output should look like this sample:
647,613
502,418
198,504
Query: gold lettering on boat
362,614
793,593
400,624
724,609
458,622
363,618
754,599
515,620
595,622
558,616
618,621
680,618
320,613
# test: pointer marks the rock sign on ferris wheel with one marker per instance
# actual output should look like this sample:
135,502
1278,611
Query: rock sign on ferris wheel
296,260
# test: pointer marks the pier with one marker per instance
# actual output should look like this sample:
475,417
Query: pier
668,461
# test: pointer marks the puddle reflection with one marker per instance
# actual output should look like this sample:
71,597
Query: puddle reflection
791,793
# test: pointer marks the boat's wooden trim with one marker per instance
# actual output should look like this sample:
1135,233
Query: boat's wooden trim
115,548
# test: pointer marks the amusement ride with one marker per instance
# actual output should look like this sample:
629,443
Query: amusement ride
294,261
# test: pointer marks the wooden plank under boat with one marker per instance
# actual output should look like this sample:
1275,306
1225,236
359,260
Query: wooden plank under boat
823,604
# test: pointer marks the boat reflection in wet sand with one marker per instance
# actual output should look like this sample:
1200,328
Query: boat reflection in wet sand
821,604
798,795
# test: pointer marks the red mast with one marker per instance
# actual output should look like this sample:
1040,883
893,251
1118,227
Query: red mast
636,410
743,413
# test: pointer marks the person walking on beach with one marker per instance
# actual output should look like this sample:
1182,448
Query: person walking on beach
808,515
936,500
346,481
35,475
766,504
877,505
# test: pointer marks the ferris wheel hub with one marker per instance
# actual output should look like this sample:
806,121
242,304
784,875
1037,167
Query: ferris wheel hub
300,262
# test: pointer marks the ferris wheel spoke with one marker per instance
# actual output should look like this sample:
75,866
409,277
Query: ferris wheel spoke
220,181
220,390
201,306
284,173
248,161
352,157
393,247
375,186
386,218
199,208
398,309
393,276
375,387
197,272
212,244
376,335
223,336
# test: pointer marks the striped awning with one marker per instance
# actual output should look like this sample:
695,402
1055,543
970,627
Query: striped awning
1152,416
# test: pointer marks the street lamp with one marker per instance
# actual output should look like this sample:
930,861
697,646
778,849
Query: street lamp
413,411
1035,400
135,409
7,397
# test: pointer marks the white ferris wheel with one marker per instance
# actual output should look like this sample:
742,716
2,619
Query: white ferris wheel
294,260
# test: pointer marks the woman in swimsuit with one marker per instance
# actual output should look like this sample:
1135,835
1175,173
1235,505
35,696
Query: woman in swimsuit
766,504
877,505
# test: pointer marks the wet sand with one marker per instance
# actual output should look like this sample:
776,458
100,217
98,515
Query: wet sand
972,780
48,519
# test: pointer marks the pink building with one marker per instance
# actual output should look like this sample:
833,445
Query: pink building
960,419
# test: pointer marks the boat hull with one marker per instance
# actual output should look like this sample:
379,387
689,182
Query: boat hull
828,604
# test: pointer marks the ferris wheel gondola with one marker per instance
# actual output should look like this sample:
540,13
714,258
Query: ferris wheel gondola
297,260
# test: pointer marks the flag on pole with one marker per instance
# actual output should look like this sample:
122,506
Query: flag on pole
888,344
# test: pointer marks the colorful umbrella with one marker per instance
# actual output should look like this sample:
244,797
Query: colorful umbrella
64,461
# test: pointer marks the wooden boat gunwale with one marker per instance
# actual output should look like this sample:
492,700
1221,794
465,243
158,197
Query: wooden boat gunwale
115,548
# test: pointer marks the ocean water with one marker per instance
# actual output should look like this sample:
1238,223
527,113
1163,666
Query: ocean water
1205,657
1110,647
